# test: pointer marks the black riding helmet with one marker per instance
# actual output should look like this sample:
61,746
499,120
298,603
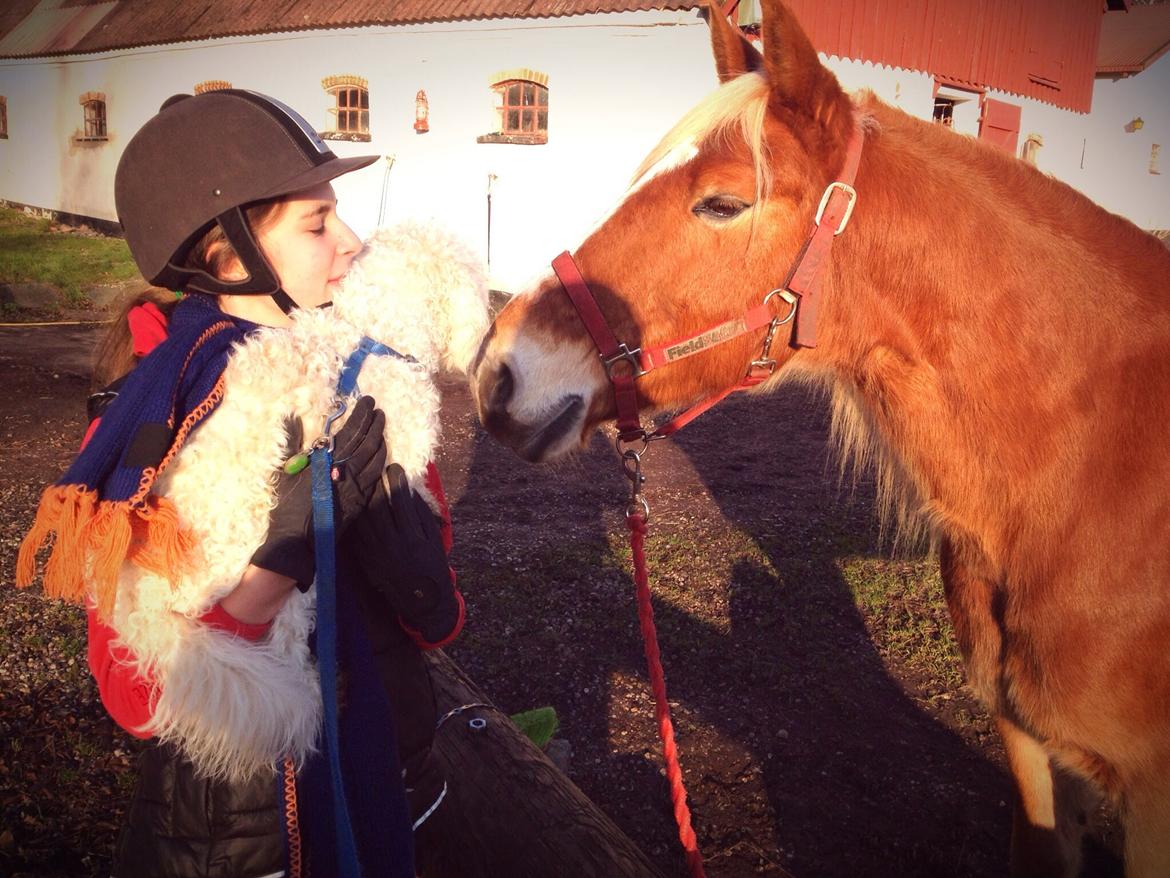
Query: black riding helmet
199,161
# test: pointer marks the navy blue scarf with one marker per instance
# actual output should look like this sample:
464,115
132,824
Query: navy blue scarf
102,509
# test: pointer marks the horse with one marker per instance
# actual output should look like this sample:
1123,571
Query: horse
996,344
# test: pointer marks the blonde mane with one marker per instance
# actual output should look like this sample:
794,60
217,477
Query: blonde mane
736,109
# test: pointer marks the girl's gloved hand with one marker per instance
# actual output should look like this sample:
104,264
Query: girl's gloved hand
403,558
359,456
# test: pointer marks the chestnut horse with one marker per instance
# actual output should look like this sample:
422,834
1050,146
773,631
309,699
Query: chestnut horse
995,341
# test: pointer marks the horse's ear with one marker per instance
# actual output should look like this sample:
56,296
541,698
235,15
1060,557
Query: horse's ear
734,55
797,78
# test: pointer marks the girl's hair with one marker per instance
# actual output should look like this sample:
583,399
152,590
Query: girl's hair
213,253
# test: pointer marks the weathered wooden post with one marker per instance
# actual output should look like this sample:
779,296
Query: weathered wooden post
509,812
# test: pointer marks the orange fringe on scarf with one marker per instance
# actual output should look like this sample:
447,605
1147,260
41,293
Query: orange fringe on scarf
143,530
94,539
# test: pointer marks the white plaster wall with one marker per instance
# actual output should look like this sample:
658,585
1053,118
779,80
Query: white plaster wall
907,90
1117,162
616,83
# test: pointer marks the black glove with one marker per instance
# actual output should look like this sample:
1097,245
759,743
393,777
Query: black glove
359,455
402,555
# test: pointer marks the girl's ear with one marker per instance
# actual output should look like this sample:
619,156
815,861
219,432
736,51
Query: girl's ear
230,268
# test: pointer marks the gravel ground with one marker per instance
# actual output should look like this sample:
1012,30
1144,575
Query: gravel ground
823,725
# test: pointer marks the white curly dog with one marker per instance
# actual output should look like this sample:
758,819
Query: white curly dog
233,706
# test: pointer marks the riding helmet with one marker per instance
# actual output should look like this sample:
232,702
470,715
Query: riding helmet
200,160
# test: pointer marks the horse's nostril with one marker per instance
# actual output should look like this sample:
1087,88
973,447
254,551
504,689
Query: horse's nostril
505,386
495,389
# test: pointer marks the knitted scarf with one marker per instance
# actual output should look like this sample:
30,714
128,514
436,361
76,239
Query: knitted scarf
102,510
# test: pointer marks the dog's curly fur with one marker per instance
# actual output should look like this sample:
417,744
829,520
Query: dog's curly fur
235,707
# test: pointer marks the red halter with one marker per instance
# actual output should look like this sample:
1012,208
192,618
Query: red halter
800,290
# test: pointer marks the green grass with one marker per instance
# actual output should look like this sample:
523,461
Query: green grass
906,613
29,252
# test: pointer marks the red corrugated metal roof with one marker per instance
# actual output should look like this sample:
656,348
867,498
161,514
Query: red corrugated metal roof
149,22
1042,49
1132,41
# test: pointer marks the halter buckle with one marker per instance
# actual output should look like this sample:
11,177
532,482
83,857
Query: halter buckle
634,358
847,190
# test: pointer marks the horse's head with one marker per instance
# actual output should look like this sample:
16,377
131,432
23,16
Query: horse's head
711,223
418,289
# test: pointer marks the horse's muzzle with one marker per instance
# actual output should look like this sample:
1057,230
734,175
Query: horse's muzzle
533,439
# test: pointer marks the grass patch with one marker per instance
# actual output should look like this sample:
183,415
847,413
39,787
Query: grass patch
906,614
30,253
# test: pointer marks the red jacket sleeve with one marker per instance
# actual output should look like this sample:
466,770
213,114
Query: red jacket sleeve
129,697
435,486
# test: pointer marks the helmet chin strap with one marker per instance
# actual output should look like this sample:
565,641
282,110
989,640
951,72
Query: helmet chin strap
261,279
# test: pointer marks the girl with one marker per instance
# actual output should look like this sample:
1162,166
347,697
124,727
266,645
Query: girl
226,196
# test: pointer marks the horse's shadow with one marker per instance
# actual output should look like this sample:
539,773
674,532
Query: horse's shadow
814,760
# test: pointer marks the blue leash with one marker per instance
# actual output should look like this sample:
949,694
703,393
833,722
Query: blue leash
322,461
326,578
347,382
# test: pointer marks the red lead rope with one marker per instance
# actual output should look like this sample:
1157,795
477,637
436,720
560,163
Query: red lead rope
801,290
678,793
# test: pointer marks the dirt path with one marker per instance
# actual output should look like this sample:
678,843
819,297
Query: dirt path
820,735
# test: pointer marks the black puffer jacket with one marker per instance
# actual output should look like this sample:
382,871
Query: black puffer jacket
183,826
180,825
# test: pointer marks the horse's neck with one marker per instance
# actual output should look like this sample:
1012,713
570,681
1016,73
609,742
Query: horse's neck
963,329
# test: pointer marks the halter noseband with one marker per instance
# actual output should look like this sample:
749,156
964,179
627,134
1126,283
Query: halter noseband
801,290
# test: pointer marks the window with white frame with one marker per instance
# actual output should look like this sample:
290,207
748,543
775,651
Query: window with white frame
350,110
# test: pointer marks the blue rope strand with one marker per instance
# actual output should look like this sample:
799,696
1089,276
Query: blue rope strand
348,865
326,579
347,382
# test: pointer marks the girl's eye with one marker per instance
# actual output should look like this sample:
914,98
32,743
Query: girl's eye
318,231
720,207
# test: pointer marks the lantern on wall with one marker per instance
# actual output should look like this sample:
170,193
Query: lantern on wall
421,112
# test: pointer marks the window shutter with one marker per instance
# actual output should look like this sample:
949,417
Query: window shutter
1000,124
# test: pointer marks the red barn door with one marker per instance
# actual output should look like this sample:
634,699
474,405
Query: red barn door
1000,124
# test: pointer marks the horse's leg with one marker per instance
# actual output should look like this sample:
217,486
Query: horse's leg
1046,831
1147,827
1050,809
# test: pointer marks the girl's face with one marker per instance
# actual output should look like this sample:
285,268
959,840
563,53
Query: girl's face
310,249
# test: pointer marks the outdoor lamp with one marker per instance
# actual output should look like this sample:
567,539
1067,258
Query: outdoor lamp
421,112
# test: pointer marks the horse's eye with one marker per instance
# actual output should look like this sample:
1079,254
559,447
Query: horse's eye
720,207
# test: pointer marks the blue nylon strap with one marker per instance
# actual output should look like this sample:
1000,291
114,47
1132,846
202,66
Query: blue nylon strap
326,572
323,540
347,382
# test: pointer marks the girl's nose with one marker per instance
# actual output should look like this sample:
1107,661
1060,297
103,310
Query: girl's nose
347,242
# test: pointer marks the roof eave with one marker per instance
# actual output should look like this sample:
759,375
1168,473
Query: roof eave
405,22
